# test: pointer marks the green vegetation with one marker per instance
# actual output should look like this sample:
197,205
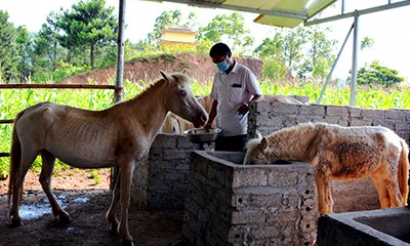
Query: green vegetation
13,101
81,38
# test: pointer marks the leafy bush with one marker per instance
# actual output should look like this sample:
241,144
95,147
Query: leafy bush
66,70
378,74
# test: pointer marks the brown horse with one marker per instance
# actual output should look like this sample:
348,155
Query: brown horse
341,153
118,136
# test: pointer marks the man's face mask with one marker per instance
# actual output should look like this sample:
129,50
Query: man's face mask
222,66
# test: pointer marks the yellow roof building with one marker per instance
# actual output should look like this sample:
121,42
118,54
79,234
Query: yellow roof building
175,37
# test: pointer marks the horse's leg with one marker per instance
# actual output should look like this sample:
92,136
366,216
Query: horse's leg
387,188
323,188
126,179
110,216
381,190
27,158
45,181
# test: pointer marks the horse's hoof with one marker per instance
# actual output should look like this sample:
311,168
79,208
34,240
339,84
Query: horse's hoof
114,230
65,219
127,243
16,223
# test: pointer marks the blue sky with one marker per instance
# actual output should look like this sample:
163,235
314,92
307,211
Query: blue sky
390,29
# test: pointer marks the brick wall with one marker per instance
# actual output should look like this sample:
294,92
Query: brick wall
160,181
267,117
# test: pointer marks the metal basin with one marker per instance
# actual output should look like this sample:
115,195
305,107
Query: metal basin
200,136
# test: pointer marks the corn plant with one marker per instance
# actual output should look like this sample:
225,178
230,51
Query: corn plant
13,101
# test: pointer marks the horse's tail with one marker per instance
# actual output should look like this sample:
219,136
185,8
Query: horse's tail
15,156
403,172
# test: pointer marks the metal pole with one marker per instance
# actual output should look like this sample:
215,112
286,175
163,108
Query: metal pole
120,72
120,52
355,57
334,64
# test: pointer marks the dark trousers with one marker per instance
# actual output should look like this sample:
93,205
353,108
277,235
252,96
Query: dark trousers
231,143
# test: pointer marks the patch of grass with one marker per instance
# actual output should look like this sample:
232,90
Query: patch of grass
95,175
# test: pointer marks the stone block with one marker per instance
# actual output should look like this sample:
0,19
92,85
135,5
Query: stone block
386,123
337,111
281,177
312,110
246,176
357,122
283,108
355,113
164,141
247,217
394,115
372,114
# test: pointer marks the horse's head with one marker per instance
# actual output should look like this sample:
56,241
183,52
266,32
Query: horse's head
181,101
258,152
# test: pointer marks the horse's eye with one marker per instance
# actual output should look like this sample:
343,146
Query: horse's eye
182,92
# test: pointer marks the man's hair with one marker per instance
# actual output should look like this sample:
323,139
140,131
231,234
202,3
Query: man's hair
220,49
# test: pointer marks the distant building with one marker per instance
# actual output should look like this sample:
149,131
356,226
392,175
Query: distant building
175,37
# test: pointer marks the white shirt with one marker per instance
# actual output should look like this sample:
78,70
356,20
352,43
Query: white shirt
231,90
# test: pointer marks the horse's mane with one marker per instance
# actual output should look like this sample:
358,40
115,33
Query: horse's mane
252,144
295,140
181,79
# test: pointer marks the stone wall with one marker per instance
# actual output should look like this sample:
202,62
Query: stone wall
231,204
267,117
160,181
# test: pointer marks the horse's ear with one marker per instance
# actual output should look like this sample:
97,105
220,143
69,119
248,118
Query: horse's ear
258,134
167,77
264,143
185,71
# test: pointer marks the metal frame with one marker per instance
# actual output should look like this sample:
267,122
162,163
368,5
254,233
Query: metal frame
343,15
239,8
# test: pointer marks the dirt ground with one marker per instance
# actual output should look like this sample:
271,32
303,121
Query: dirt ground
87,203
200,67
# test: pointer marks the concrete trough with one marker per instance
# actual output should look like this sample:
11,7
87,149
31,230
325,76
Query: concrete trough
380,227
228,203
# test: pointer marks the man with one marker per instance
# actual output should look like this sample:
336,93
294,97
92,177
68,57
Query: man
234,87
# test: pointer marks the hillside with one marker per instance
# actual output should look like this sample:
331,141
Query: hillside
200,66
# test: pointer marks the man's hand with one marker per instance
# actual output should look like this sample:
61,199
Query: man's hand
243,109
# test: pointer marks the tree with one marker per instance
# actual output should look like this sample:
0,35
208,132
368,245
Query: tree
292,51
9,57
271,51
46,40
290,46
366,43
378,74
87,24
228,27
165,19
24,48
